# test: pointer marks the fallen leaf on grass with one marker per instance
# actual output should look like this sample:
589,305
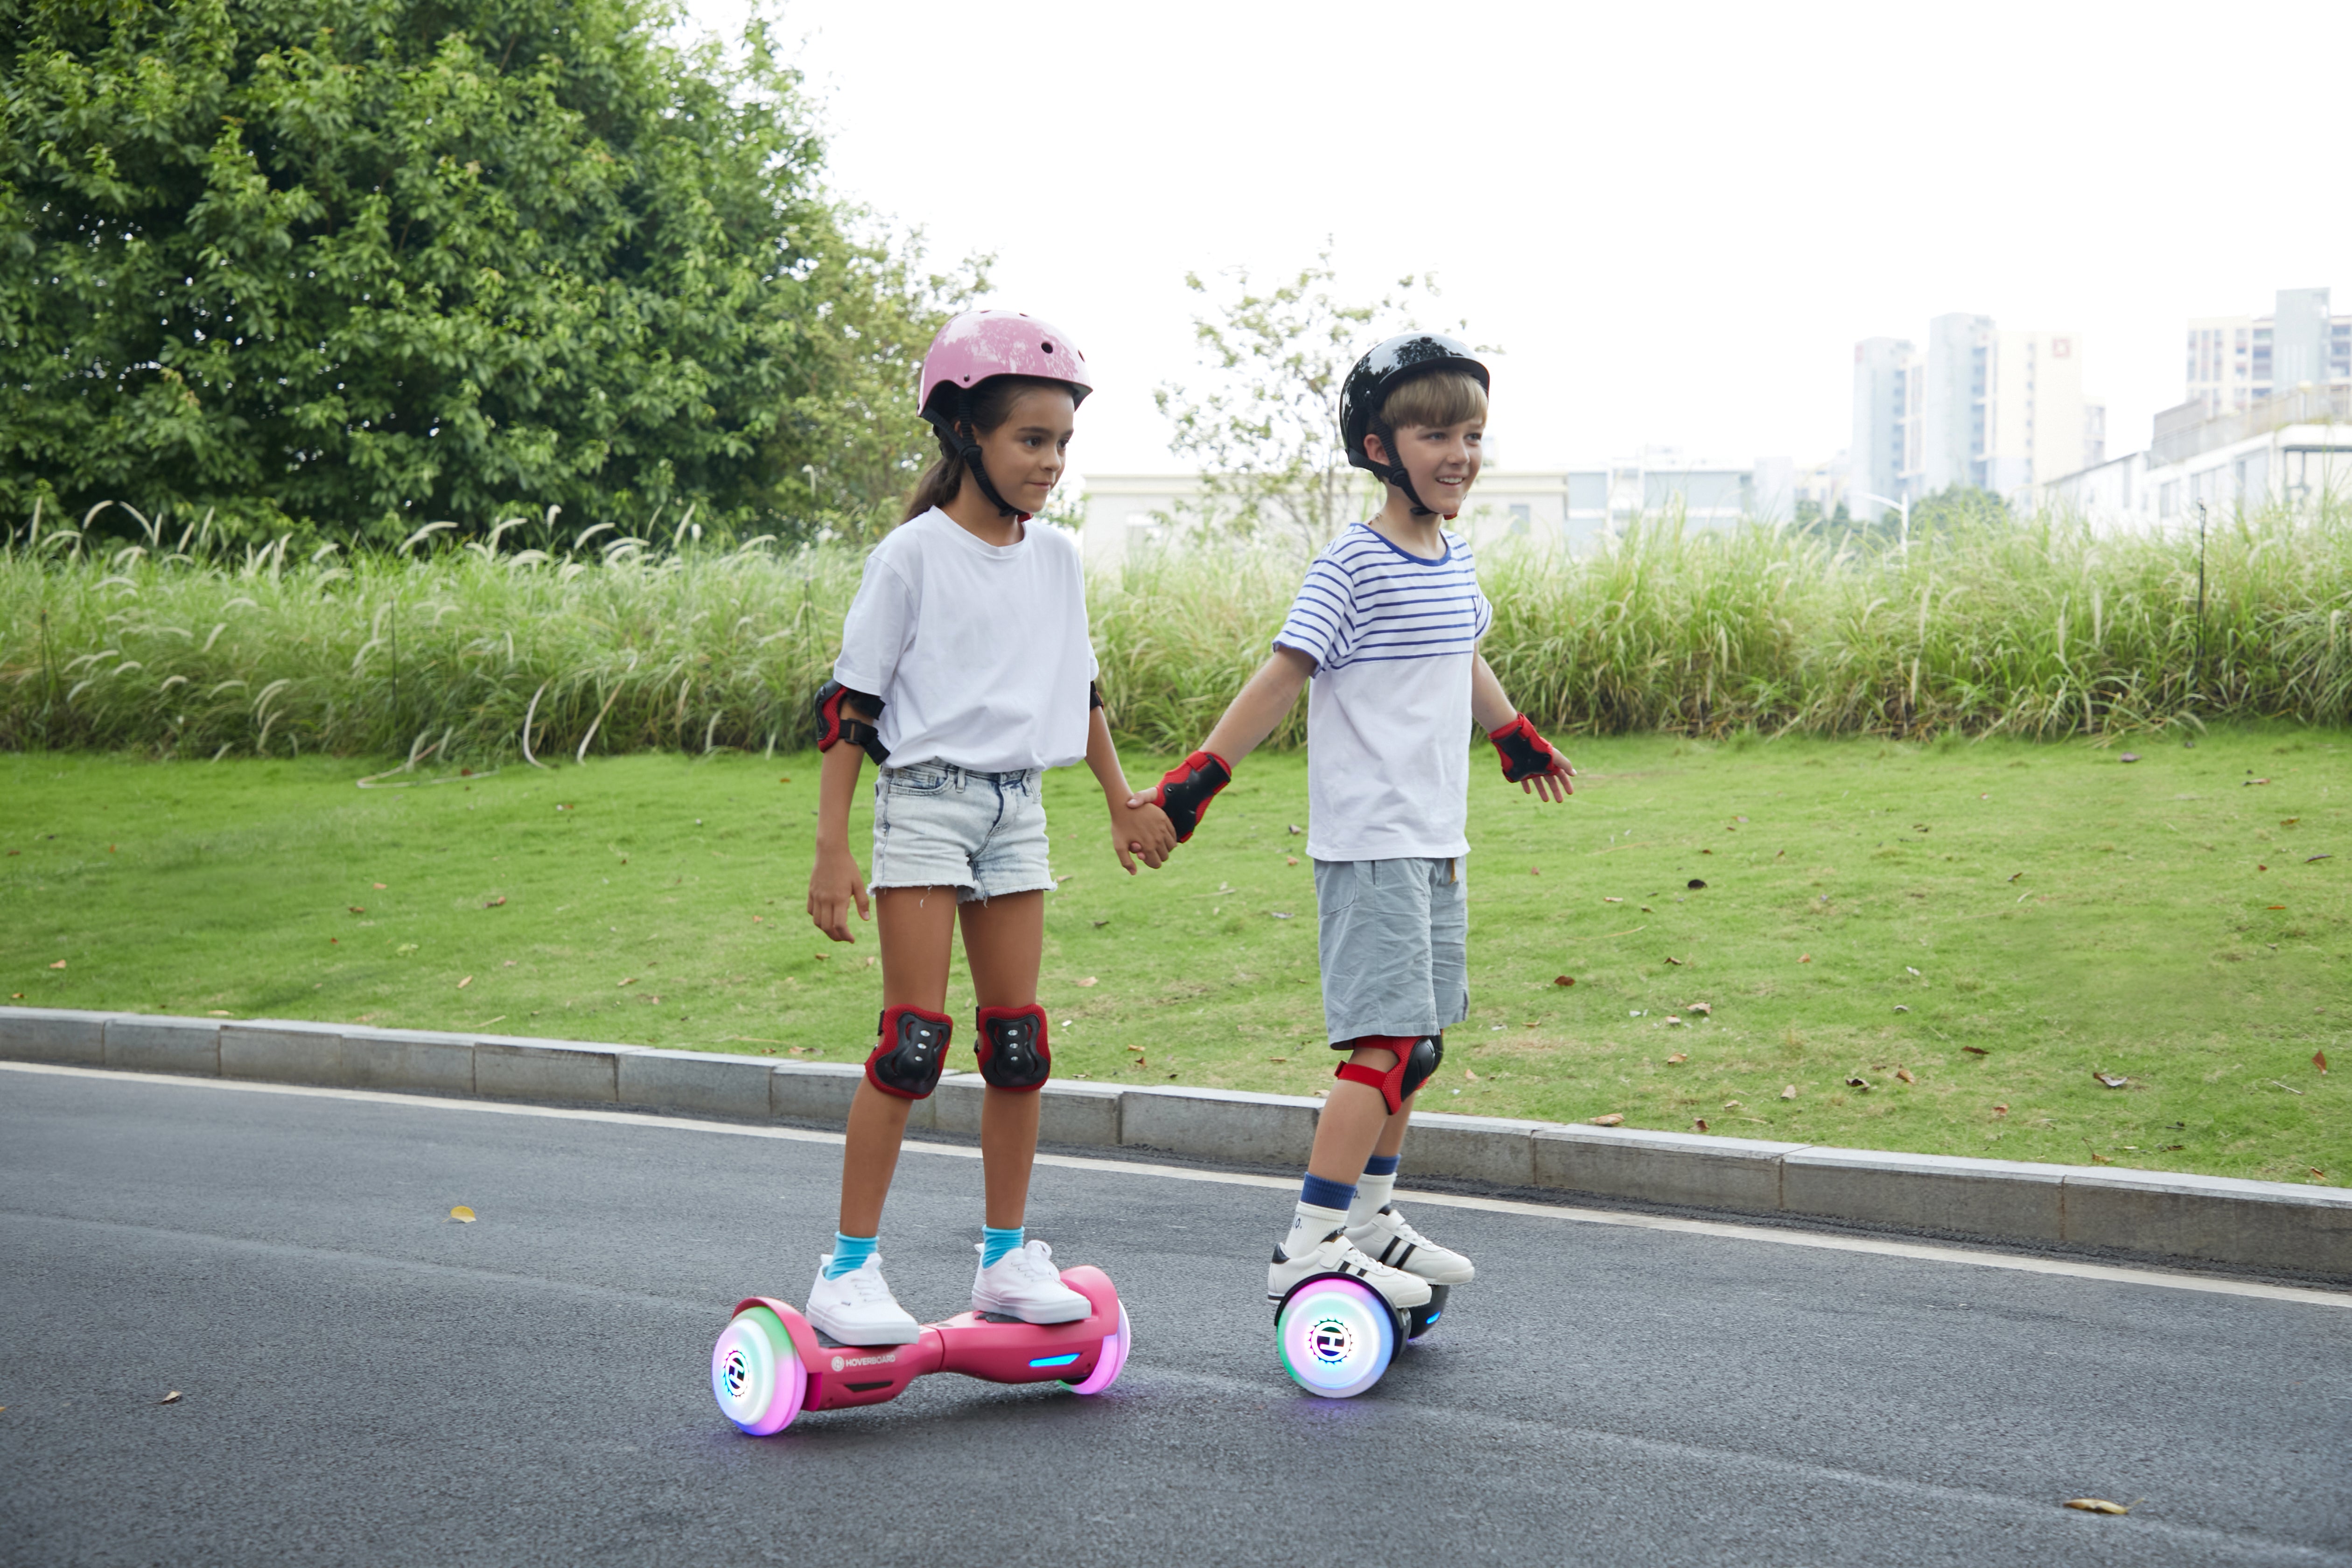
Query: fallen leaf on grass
502,899
2096,1505
219,1012
2315,859
1295,830
2014,875
1612,1120
2319,1061
1090,980
1790,1092
1099,924
377,886
2252,782
462,1215
1563,980
632,980
357,909
60,963
170,1398
1908,970
1901,1008
1858,1082
1290,859
1976,1050
1905,1074
1674,1022
1609,901
2113,1080
1471,1076
1704,1009
463,984
1804,958
2289,821
1678,1056
2000,1111
2278,906
1695,884
1732,1105
2101,1160
2316,1173
1535,871
1676,962
1699,1123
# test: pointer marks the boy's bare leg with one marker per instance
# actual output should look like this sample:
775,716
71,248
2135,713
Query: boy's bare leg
917,925
1356,1123
1005,938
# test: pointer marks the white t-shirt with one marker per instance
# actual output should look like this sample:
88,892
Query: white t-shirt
1388,717
979,651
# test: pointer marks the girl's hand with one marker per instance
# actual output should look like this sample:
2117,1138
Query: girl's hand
1141,832
834,882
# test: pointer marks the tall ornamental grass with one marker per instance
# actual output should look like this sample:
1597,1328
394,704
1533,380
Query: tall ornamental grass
177,650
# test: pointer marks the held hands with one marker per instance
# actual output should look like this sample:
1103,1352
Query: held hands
834,882
1530,763
1140,833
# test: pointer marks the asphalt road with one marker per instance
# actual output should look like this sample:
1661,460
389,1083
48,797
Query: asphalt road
366,1381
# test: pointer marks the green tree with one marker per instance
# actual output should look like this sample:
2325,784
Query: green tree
355,264
1266,435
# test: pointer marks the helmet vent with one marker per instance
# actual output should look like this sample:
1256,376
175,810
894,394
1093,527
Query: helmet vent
1047,347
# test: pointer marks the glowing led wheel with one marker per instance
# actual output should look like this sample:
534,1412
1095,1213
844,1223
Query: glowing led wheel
1336,1336
1114,1357
756,1376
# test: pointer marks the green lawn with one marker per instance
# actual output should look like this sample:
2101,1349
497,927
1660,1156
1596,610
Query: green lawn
1997,921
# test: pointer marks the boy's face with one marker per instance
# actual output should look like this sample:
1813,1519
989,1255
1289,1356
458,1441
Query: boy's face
1441,460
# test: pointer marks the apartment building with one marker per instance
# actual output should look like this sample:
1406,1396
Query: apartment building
2236,361
1984,409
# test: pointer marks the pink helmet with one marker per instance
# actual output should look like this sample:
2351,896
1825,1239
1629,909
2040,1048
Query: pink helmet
980,344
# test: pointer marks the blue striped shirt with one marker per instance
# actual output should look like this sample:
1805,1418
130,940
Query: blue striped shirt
1365,600
1394,637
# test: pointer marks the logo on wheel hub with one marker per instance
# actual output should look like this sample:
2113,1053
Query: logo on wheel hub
735,1374
1332,1340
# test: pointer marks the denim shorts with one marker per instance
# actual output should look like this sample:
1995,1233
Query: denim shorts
937,826
1394,938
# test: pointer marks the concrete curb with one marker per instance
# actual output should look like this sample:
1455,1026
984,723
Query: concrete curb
2214,1219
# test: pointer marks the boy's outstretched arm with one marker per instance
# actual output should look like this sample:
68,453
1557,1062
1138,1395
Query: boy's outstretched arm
1185,793
1139,830
1528,760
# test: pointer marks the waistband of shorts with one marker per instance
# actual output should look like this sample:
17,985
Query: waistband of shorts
971,775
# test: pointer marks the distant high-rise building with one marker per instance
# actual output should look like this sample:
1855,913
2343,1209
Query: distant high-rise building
1952,413
1884,459
2235,362
2036,430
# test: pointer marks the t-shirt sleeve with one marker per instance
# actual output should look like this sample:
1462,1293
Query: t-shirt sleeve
1322,618
878,629
1486,615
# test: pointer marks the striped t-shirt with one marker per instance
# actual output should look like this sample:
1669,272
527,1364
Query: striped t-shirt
1388,718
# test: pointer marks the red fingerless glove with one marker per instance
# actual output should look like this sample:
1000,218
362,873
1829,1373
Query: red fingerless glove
1186,790
1526,754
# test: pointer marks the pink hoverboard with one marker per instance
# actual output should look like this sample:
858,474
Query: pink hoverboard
770,1363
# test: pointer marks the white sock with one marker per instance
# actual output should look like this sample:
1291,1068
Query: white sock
1371,1192
1309,1225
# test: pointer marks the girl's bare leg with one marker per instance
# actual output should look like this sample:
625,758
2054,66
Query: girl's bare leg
1004,938
916,926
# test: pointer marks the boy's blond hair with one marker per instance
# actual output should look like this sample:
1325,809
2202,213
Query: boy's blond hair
1439,399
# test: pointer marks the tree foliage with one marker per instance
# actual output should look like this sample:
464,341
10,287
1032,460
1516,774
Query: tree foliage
1266,436
355,264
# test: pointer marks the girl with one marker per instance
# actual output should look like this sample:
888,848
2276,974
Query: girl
965,670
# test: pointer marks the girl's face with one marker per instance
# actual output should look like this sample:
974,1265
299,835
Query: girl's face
1026,453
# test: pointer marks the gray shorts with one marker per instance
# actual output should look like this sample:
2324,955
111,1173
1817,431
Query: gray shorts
937,826
1394,936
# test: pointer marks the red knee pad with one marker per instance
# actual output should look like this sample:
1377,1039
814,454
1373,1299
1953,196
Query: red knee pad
907,1060
1012,1048
1390,1083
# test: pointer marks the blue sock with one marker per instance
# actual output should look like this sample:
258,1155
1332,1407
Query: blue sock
849,1254
1324,1194
996,1245
1382,1164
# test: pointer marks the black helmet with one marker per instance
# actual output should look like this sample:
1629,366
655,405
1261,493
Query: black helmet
1387,367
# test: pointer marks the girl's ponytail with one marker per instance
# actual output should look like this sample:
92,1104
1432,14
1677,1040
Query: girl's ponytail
939,484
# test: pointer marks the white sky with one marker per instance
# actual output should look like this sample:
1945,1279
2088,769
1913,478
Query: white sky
1676,219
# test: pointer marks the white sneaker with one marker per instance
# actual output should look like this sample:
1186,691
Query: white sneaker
858,1308
1024,1284
1335,1254
1386,1239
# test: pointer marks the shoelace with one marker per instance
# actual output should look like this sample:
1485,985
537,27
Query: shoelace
1354,1256
1407,1233
868,1285
1032,1259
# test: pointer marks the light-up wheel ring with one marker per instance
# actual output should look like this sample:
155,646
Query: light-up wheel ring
1336,1336
755,1374
1113,1358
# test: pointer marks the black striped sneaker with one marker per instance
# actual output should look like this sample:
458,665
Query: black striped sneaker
1386,1239
1334,1255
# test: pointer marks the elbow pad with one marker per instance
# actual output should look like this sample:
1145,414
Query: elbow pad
833,726
1186,790
1094,696
1526,754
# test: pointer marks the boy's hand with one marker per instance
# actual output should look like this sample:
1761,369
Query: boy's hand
1529,761
834,882
1184,792
1143,832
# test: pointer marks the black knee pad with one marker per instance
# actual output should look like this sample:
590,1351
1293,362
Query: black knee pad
1422,1063
908,1058
1012,1048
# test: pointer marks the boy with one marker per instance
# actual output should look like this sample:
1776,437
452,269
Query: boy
1387,624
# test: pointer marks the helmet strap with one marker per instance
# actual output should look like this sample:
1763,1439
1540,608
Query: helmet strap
951,422
1394,471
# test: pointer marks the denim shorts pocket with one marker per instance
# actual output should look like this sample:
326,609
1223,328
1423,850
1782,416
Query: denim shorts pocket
921,779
